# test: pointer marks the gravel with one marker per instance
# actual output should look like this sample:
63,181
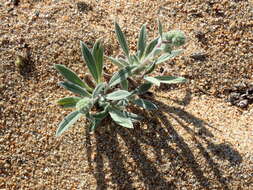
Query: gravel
193,141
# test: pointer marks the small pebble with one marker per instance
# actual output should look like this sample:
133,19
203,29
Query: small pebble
15,2
233,97
83,7
243,103
200,36
200,56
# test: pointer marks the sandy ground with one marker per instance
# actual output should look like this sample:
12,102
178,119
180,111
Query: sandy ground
194,141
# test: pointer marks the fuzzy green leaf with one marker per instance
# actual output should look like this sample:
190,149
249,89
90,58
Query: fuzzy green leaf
122,103
116,62
98,54
135,60
90,61
133,117
102,102
151,46
98,90
152,80
122,40
168,56
118,95
120,118
145,104
68,102
171,79
160,28
75,89
150,69
94,124
67,122
176,37
142,40
84,105
101,115
123,61
121,75
124,84
71,76
143,88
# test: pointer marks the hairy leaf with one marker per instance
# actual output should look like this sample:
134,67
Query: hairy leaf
120,118
133,117
98,54
121,38
118,95
116,62
151,46
122,103
153,80
67,122
94,124
171,79
98,90
89,59
160,28
143,88
68,102
135,60
123,61
101,115
150,69
75,89
142,41
168,56
145,104
124,84
102,102
121,75
84,105
71,76
156,52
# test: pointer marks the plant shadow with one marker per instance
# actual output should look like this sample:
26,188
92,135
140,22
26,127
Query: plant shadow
158,156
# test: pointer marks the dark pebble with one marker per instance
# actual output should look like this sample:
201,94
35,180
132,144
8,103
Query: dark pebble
249,91
15,2
200,35
243,96
83,7
240,86
243,103
234,96
161,70
199,56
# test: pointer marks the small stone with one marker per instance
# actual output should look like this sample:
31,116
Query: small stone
249,91
15,2
250,97
243,96
200,56
161,70
234,96
200,35
243,103
20,62
240,86
10,9
36,13
83,7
